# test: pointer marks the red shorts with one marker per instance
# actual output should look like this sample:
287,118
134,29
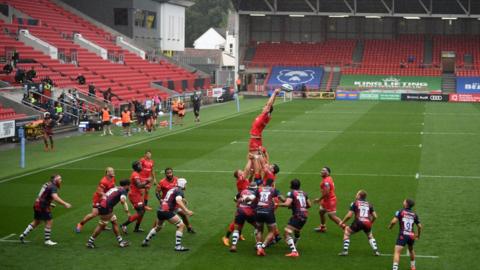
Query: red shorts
329,205
254,144
136,200
96,201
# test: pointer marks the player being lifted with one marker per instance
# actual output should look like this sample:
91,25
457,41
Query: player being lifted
136,197
246,204
106,205
407,219
167,183
365,216
298,201
42,209
328,201
147,175
106,183
166,212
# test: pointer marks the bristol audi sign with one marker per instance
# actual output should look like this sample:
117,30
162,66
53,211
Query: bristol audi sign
425,97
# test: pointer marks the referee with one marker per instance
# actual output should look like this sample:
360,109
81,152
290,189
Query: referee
196,101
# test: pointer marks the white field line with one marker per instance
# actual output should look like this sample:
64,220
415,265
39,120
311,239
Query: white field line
297,131
392,113
416,256
124,146
416,176
6,237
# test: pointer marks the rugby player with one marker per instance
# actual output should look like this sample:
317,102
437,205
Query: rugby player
174,198
246,204
148,175
42,209
328,201
167,183
242,184
106,183
106,205
365,216
298,201
265,215
136,197
407,219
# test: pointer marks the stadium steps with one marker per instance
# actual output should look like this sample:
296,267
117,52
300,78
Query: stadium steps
449,84
428,50
249,54
358,52
326,76
468,59
336,78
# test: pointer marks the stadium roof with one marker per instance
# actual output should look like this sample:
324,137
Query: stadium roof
382,8
183,3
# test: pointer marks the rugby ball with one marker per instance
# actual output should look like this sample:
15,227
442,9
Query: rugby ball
287,87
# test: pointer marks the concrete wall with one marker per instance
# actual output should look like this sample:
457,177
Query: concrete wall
210,40
149,37
102,11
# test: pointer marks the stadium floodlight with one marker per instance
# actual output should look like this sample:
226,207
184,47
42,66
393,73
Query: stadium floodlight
257,15
412,18
373,17
449,18
297,15
338,16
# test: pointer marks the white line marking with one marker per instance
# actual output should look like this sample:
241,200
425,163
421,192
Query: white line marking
125,146
367,132
6,237
238,142
420,145
296,173
391,113
416,256
233,142
417,175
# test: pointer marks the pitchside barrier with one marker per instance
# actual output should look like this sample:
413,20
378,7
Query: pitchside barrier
367,82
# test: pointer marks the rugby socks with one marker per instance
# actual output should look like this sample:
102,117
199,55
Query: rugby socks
131,219
235,237
91,240
395,266
373,244
178,239
259,245
47,233
412,264
119,239
291,244
346,244
28,230
231,227
139,221
150,235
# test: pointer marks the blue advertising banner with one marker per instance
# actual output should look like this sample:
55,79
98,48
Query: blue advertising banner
296,76
468,85
347,95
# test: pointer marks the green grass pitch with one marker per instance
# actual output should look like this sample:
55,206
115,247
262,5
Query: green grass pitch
376,146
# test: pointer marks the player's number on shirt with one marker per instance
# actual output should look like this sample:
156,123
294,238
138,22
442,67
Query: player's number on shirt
303,202
364,211
42,190
407,224
169,193
264,196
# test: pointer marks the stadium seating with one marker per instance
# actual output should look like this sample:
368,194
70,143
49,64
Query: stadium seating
9,114
130,79
461,45
304,54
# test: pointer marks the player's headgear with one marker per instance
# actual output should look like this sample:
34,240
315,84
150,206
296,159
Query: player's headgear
295,184
410,203
287,87
136,166
125,182
276,169
181,182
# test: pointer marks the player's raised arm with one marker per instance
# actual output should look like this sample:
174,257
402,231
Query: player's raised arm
271,100
57,198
